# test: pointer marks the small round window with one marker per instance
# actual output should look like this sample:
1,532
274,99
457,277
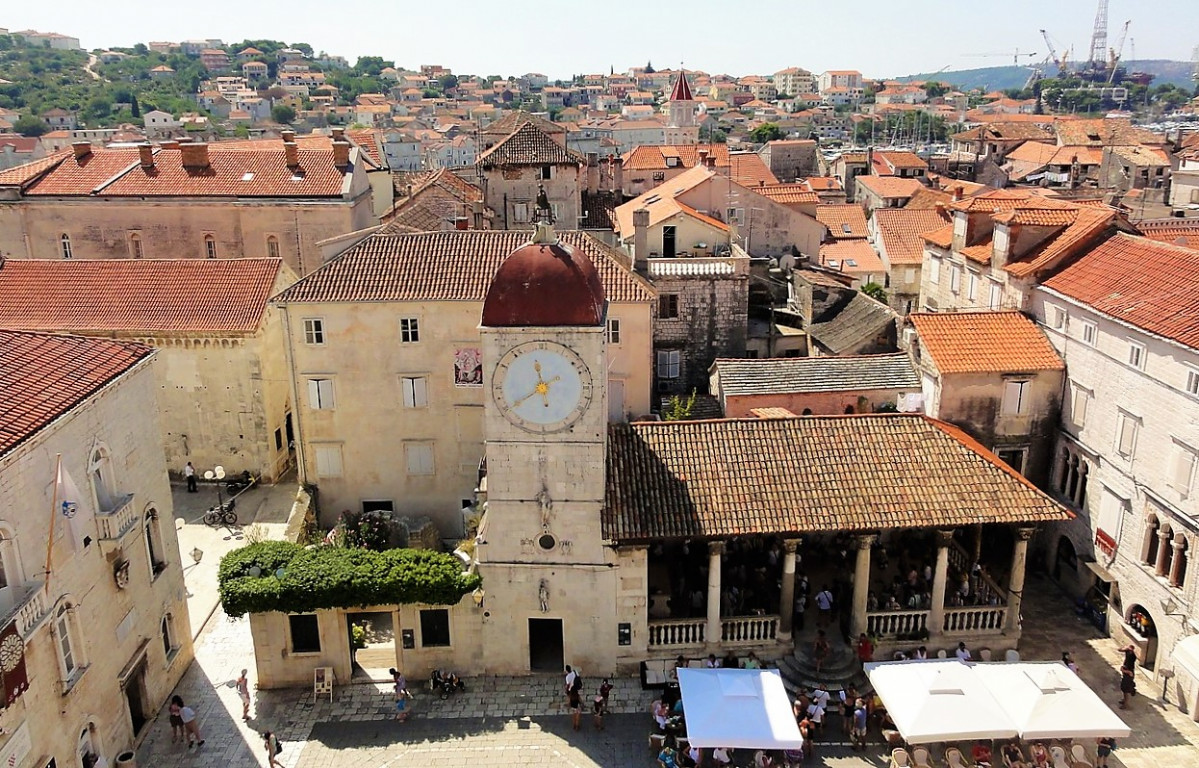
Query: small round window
547,541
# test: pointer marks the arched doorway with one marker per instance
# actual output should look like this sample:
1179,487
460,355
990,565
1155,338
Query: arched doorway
1141,629
1065,563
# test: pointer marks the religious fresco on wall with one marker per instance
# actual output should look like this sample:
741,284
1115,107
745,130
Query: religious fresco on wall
468,367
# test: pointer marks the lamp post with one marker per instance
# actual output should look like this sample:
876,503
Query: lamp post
217,473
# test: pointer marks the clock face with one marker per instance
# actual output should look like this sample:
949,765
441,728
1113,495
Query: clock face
10,652
541,386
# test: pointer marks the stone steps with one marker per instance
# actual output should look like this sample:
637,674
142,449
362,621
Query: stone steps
840,670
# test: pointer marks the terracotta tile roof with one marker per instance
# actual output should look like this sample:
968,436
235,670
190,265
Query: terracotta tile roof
844,220
1005,131
775,412
528,145
1152,285
788,194
234,171
705,218
1175,231
136,295
985,342
1104,132
436,201
661,200
1089,226
980,253
396,267
1039,217
890,186
942,238
1005,200
22,175
515,119
43,376
822,182
901,232
654,158
853,257
599,210
815,374
928,199
1069,155
747,169
819,473
367,139
897,160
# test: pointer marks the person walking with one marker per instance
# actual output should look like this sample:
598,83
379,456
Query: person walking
571,678
189,472
1103,749
190,727
597,712
1128,687
824,602
177,730
243,692
273,748
858,738
575,702
1130,657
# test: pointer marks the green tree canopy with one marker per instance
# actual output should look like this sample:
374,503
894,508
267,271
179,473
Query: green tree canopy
30,125
767,132
281,113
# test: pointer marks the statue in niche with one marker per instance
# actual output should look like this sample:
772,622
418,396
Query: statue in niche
546,505
543,596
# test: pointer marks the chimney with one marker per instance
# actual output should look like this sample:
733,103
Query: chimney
592,172
292,153
710,161
339,134
703,157
476,209
82,149
461,223
287,135
618,175
146,153
172,144
341,153
869,159
641,240
194,155
957,193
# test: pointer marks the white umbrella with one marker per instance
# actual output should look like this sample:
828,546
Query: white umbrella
746,708
1048,701
939,700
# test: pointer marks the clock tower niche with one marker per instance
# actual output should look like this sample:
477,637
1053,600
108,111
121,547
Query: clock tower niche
546,411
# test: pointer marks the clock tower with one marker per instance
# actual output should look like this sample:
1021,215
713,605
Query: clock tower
545,422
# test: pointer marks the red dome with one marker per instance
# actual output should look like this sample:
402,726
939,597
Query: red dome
545,284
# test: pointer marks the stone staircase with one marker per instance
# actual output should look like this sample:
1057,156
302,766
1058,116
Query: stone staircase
840,670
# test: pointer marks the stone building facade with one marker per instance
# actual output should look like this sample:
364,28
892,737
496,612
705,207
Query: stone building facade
522,166
105,634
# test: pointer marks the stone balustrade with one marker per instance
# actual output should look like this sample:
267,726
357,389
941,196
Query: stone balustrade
31,610
749,629
734,630
975,620
113,524
671,632
889,624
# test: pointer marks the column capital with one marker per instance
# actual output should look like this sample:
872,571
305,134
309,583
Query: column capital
790,545
1178,543
944,537
1165,534
715,548
865,540
1024,534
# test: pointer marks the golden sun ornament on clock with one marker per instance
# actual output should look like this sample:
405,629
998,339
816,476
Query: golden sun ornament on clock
542,386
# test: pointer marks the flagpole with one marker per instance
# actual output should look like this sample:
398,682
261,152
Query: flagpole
53,514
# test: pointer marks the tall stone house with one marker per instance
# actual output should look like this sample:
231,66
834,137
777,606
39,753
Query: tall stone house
519,167
95,643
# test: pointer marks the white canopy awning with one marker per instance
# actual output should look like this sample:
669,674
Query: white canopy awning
746,708
1048,701
938,700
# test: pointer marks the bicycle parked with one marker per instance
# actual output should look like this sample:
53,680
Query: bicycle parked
222,514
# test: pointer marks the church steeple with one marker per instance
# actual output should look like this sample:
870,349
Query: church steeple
683,128
682,90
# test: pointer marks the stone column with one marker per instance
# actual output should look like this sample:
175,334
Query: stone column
1016,580
1176,564
978,545
1163,550
787,599
936,613
712,635
861,586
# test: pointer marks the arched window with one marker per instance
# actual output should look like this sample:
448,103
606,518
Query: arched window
1178,566
155,551
89,753
135,245
102,480
64,243
1149,548
272,247
1165,552
210,246
66,643
166,630
11,577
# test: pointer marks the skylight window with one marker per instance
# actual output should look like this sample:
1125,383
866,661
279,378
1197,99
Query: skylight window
845,228
653,198
247,176
834,264
851,263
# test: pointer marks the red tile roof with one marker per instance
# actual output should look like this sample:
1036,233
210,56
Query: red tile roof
942,237
838,216
733,477
900,231
748,169
1175,231
890,186
1152,285
788,194
23,174
136,295
528,145
395,267
43,376
653,158
853,257
985,342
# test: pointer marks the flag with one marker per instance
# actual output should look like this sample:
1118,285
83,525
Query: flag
73,512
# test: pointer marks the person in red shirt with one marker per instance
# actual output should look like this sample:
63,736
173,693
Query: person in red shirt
865,649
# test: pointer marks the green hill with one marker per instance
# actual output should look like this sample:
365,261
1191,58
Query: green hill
999,78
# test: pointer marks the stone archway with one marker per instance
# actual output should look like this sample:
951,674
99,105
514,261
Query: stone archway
1065,561
1141,629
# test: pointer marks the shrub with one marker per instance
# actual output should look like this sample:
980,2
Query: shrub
293,579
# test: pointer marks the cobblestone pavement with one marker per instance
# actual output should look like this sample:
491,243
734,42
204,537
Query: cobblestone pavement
521,721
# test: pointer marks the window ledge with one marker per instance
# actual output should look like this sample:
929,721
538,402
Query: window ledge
174,654
69,684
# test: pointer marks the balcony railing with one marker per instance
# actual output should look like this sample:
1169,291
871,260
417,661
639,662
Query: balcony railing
676,632
116,522
887,624
749,629
960,560
974,621
30,609
734,630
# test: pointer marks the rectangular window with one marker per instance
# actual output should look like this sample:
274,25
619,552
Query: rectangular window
955,278
1013,457
1015,397
416,391
135,246
520,212
210,247
320,394
669,363
434,627
66,652
909,275
972,286
547,172
1088,333
934,270
668,306
1079,399
328,461
1183,473
314,330
305,633
1055,317
996,295
613,330
378,505
1136,355
419,458
272,247
1192,382
409,330
1126,435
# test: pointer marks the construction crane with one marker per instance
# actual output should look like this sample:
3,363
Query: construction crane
1052,51
1099,36
1015,57
1116,53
